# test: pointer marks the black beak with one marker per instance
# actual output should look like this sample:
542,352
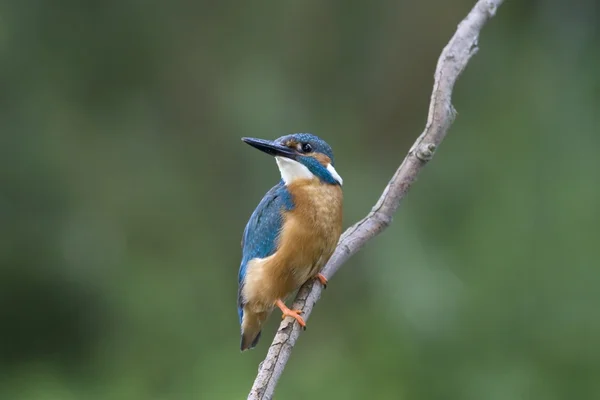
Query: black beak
272,148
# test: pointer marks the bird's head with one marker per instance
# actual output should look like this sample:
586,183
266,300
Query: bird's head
300,156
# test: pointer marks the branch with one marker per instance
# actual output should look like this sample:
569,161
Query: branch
452,62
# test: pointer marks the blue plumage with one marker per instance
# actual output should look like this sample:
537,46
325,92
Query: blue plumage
319,170
260,236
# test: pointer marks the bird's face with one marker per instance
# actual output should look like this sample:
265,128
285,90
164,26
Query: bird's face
300,156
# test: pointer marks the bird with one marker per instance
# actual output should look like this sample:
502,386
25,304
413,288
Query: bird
291,234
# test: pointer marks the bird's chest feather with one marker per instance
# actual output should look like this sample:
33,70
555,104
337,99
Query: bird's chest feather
310,231
307,239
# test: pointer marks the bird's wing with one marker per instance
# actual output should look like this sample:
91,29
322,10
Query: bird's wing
260,236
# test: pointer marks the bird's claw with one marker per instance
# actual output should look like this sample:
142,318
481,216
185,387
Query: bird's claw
291,313
323,280
296,315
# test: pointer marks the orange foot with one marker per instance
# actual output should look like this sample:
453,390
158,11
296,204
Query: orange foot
323,280
291,313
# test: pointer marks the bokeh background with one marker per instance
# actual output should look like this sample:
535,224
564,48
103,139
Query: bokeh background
125,188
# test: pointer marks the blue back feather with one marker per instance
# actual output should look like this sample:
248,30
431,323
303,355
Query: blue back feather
262,230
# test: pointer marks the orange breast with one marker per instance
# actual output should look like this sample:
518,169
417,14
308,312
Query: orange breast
310,232
308,238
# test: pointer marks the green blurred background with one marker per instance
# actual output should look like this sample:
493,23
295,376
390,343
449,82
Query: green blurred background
125,188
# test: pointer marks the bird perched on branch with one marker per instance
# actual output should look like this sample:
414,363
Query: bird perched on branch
292,233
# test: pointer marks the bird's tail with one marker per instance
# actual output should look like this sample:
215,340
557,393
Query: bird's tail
251,329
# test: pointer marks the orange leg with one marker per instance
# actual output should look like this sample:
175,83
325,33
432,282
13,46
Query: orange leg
323,280
291,313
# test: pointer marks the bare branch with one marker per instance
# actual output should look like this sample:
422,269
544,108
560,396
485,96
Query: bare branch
452,62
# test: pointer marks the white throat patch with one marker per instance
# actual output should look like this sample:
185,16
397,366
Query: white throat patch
292,170
335,175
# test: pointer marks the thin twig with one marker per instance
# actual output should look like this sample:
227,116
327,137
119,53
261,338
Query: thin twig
452,62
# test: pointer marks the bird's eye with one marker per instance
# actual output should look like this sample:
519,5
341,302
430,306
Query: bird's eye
307,148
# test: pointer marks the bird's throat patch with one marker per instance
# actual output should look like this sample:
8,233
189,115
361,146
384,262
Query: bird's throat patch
292,170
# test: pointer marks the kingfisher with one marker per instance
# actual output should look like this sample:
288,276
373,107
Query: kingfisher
291,234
